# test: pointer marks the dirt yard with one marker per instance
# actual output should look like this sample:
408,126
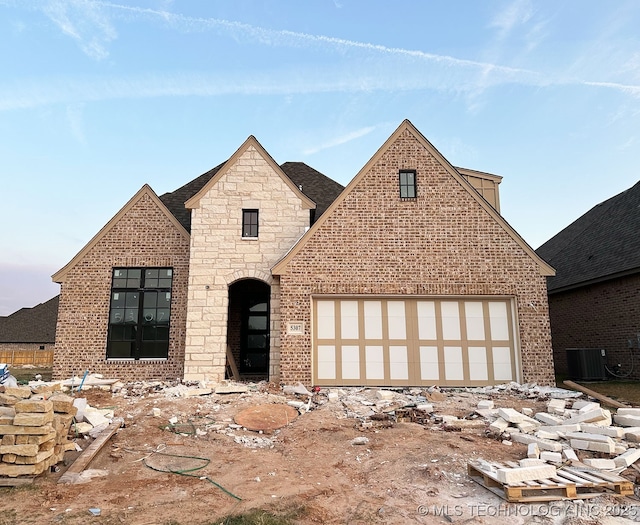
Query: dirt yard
311,469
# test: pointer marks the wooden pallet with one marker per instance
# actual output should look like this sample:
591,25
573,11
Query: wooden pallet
574,482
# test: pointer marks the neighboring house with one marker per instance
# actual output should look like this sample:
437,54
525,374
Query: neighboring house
408,276
594,299
29,328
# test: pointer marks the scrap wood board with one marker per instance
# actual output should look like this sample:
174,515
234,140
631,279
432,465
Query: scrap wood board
568,483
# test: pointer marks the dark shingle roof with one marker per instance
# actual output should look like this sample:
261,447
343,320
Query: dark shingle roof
318,187
175,200
603,243
31,325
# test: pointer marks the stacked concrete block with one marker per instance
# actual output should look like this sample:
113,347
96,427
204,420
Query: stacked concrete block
32,435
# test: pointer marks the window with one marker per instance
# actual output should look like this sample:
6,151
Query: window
250,223
139,313
407,180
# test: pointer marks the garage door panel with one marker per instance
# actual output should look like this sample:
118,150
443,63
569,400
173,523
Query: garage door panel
450,315
427,320
351,362
502,363
326,362
349,319
415,341
398,363
374,363
429,364
478,365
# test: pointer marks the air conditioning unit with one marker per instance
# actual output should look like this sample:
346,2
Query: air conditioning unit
587,364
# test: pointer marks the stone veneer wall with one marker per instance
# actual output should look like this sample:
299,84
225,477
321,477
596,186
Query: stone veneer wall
143,237
442,243
220,256
602,315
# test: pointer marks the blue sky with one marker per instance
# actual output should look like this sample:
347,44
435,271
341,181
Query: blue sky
98,98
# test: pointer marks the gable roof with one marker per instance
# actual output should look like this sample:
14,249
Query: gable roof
251,141
318,187
406,125
145,190
31,325
601,244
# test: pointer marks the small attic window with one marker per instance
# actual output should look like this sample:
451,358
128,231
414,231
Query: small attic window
407,180
250,224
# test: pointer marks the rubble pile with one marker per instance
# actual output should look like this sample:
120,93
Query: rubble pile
33,429
554,436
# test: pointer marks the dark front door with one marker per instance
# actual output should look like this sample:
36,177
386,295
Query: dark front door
252,297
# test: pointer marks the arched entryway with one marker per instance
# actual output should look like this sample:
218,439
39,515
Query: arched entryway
248,327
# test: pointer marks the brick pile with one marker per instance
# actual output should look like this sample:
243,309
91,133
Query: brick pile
33,430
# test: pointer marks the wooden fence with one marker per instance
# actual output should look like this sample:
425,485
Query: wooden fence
43,358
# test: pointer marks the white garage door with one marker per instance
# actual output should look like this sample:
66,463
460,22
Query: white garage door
411,342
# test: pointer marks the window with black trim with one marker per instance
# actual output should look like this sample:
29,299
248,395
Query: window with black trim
407,179
139,313
250,223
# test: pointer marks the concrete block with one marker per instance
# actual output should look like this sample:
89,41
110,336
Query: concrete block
632,434
526,427
20,430
427,408
583,406
231,389
551,457
6,400
543,434
582,444
384,394
628,412
485,404
511,415
22,392
628,458
533,451
95,417
194,392
592,416
81,404
562,428
33,405
549,419
63,404
527,411
600,463
530,462
570,454
627,420
28,419
19,450
589,437
543,444
614,432
515,475
498,426
620,448
556,406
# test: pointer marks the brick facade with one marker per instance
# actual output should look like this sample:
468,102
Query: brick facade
142,236
442,243
603,315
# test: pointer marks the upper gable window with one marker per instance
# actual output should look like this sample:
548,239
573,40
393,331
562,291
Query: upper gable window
250,224
407,179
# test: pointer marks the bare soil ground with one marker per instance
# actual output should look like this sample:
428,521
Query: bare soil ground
406,473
